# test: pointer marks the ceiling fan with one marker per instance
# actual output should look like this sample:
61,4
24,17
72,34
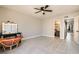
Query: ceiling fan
43,9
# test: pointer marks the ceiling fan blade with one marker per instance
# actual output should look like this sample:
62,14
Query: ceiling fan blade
36,8
46,6
48,10
38,11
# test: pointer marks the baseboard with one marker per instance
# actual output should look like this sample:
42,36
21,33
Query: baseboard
48,36
25,38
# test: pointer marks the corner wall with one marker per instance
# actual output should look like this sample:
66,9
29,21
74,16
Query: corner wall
47,29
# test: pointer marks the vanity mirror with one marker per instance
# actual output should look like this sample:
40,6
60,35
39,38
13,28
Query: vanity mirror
9,27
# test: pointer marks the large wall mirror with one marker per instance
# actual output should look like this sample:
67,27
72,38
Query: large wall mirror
8,28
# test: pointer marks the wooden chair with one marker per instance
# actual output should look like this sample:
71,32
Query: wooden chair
7,43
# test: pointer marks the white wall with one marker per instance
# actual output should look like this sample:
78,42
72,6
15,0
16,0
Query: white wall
76,28
47,29
28,26
62,29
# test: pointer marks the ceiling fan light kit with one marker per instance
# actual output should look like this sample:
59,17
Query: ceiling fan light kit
43,9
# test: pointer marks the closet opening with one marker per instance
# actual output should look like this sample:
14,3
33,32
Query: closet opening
57,29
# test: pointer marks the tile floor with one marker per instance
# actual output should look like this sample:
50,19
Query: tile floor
46,45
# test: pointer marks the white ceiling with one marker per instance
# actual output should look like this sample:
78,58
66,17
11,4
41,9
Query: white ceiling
57,10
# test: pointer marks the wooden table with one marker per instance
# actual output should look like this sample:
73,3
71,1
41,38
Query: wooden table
9,35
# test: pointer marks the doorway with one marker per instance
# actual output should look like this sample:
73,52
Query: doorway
69,23
57,29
